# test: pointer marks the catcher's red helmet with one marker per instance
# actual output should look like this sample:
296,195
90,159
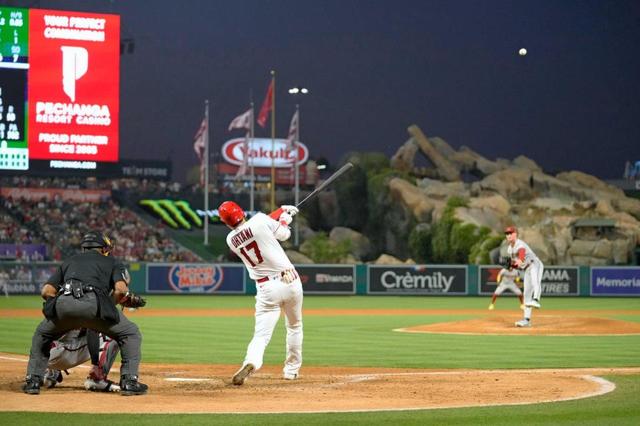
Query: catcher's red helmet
230,213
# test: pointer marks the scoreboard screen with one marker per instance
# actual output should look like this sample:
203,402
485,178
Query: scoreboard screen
59,88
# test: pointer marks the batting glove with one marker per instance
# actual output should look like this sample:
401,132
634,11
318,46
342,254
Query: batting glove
292,210
285,218
289,276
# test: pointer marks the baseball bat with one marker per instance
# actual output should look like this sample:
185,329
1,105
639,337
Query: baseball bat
326,183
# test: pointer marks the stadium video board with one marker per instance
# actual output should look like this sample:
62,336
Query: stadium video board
59,88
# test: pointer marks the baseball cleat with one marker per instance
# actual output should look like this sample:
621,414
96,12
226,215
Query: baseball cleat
523,323
492,307
242,374
290,376
129,385
533,304
101,385
32,385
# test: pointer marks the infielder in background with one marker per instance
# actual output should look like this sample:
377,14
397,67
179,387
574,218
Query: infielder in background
77,347
4,282
523,258
507,279
277,283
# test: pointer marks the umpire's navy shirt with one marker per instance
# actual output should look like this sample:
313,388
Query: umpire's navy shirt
91,268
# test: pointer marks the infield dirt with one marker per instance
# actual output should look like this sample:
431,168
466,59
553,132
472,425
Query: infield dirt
190,388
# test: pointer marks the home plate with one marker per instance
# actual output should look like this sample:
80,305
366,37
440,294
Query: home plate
186,379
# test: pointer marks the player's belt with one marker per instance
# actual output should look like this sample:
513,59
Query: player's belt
528,264
265,279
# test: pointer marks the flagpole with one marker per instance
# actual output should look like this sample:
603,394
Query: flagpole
297,174
273,141
252,183
206,175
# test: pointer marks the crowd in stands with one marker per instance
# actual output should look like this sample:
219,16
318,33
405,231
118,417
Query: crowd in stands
61,224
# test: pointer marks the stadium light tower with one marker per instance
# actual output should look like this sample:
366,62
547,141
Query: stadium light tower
296,92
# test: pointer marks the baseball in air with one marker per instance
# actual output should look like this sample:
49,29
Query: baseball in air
522,51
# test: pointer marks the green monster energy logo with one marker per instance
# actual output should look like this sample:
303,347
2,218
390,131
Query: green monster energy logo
176,214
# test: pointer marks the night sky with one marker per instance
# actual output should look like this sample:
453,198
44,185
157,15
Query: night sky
375,67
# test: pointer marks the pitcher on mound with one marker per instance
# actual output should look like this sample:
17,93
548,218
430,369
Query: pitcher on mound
523,258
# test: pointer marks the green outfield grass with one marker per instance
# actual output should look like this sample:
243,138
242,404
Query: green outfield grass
369,341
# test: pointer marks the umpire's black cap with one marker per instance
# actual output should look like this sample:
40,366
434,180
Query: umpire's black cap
95,239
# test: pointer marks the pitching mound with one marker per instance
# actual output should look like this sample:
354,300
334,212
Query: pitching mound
180,388
542,324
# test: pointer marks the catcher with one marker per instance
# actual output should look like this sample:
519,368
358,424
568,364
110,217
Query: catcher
83,293
508,277
77,347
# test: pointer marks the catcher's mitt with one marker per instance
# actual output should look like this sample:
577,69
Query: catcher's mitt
506,262
131,300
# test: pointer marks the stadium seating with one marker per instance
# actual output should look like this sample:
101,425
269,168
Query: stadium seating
60,224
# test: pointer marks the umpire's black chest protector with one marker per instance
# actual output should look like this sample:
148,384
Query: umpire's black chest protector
90,268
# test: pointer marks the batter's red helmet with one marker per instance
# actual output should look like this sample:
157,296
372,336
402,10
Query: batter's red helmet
230,213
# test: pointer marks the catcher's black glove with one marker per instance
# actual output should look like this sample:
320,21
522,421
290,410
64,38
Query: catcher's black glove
131,300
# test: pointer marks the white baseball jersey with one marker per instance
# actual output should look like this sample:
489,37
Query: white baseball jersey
256,243
521,250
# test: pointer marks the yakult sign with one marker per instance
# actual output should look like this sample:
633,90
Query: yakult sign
260,152
420,279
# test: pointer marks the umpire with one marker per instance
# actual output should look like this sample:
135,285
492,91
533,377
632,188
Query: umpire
83,292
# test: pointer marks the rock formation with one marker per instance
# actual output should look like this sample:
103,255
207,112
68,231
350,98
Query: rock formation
544,207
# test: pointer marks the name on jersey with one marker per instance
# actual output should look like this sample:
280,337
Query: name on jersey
241,237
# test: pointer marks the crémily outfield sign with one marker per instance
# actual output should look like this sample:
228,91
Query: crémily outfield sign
418,280
615,281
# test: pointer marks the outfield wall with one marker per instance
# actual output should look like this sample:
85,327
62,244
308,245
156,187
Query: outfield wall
361,279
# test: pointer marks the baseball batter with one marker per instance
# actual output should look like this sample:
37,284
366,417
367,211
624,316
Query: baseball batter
278,285
75,348
507,280
523,258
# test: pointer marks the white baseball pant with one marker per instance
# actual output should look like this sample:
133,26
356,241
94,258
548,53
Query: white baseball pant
272,296
532,284
508,286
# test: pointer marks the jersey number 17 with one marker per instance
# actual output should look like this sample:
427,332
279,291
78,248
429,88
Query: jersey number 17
252,246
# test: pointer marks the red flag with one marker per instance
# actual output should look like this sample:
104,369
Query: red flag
293,131
266,106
